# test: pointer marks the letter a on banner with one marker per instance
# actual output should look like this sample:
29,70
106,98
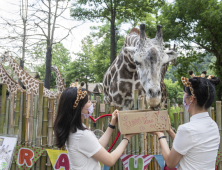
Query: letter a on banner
25,157
62,162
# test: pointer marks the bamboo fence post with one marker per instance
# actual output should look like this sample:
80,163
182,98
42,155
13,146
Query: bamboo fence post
168,108
50,130
39,129
44,131
111,138
54,117
99,122
181,118
106,118
151,145
186,115
135,139
20,119
6,116
94,115
209,111
31,120
218,120
149,148
3,102
141,135
23,117
176,121
27,119
35,120
16,125
154,141
213,114
11,125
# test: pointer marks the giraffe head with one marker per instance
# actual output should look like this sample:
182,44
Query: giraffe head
54,68
4,58
149,57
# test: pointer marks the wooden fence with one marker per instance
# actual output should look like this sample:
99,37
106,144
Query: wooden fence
31,117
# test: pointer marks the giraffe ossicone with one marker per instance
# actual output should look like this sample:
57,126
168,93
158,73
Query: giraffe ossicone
141,64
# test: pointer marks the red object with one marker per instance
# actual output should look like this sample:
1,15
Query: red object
94,120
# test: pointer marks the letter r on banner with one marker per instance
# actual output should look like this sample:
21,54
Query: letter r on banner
25,156
62,162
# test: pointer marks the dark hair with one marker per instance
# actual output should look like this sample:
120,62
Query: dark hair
68,119
204,90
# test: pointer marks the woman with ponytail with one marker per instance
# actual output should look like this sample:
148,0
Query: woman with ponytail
84,149
196,143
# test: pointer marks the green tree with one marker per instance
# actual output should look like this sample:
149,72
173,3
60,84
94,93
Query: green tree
60,57
199,22
101,52
112,10
80,67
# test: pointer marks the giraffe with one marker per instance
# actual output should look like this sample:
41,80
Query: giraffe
30,83
141,64
12,85
59,81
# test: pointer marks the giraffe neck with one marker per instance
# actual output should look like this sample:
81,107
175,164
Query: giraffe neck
12,85
22,75
59,81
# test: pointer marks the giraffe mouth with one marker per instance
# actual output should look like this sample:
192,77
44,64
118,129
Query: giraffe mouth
153,102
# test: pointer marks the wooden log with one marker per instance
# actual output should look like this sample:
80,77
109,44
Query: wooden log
218,120
44,132
155,151
176,121
3,102
39,129
149,148
23,117
50,130
11,124
31,119
5,131
27,119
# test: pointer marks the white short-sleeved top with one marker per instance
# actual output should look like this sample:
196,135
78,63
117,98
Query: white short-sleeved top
198,142
81,146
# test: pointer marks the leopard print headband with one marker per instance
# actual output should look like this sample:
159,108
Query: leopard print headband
186,82
80,94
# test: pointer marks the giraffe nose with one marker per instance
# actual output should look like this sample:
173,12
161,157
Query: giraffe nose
154,93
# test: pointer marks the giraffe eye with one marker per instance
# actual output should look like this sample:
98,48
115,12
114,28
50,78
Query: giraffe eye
137,63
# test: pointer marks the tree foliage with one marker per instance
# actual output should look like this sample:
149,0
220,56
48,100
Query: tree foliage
112,10
199,23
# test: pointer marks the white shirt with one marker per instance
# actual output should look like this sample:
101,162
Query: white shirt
198,142
81,146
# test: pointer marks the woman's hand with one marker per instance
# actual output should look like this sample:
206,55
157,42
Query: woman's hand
129,136
159,134
114,117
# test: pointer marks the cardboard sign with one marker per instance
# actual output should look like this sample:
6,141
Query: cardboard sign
139,121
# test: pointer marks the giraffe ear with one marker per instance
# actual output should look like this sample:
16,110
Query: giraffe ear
131,50
171,55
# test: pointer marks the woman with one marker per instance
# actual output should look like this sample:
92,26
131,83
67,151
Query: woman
84,149
196,143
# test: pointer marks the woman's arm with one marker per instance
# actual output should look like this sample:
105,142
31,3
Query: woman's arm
106,136
171,157
170,131
110,159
